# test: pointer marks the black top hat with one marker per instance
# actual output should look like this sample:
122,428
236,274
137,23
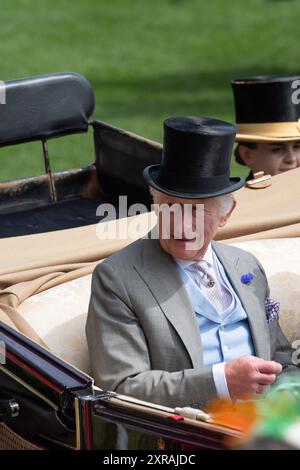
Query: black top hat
266,108
196,159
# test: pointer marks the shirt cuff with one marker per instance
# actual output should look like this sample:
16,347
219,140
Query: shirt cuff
220,380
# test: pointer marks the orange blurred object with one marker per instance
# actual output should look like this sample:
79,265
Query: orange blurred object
240,416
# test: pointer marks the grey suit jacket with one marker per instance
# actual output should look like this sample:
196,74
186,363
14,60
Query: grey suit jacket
142,332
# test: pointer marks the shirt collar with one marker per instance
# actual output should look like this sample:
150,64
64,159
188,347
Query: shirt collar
208,258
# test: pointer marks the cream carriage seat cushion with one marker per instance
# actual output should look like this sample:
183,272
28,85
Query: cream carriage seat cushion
58,315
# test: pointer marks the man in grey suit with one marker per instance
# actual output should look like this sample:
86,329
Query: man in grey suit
180,320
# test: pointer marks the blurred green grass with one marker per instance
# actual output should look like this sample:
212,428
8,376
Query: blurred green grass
146,60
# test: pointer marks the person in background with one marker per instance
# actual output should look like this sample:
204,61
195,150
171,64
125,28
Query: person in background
267,120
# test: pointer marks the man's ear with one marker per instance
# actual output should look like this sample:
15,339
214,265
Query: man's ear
245,154
224,218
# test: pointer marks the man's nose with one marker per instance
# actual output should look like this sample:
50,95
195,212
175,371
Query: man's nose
187,225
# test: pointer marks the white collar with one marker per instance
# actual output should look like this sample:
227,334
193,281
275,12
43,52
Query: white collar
208,258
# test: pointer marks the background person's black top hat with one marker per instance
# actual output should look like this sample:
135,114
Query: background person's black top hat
196,159
266,108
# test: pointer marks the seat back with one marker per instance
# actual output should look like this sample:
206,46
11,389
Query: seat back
121,157
45,106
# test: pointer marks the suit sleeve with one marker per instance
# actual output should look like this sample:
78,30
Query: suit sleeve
119,353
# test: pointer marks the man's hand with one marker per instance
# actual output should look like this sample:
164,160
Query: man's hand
249,375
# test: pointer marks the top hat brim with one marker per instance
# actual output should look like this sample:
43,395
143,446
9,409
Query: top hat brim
151,175
268,132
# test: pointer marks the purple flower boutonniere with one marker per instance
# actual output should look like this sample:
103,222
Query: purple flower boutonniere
247,278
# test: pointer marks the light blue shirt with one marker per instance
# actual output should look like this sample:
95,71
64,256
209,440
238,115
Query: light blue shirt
225,335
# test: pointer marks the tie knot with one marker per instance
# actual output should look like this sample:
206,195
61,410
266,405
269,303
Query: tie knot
202,266
206,270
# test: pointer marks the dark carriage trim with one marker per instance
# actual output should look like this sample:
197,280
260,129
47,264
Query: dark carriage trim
174,430
39,368
105,405
33,193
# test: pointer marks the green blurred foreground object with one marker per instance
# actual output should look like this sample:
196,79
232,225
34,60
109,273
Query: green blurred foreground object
272,422
277,425
280,412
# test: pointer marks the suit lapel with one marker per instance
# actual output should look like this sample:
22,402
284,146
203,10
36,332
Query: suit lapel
235,268
160,273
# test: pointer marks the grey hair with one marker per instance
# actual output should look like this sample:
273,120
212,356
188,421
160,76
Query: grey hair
226,202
